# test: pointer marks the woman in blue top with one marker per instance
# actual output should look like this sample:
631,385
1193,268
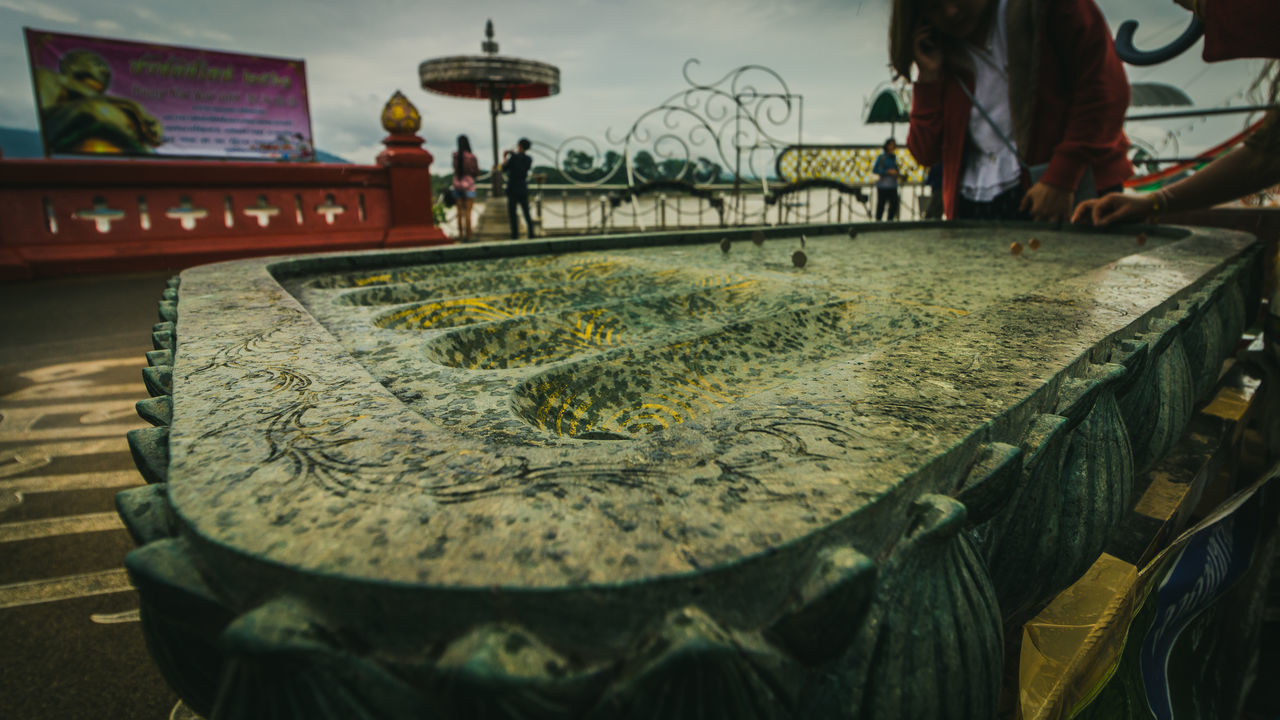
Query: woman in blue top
886,168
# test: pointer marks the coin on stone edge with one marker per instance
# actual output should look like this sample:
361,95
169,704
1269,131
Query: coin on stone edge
1015,248
724,244
798,258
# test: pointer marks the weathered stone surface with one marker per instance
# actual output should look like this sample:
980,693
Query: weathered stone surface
640,461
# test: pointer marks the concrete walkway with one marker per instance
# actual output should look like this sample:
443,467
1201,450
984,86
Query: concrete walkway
71,356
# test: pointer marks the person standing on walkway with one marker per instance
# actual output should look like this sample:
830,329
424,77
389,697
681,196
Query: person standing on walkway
1022,102
517,165
934,182
886,171
1232,29
466,168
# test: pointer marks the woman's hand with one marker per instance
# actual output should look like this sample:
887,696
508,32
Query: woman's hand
928,54
1115,207
1047,203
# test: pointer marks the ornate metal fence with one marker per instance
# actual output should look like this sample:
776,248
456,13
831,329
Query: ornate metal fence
725,153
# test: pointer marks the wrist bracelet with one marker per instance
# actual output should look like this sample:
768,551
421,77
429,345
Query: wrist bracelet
1161,201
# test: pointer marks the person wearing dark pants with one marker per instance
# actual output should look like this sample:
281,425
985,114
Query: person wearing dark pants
934,181
886,168
516,165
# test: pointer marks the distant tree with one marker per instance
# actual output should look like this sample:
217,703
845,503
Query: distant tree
578,163
645,166
674,169
707,171
611,161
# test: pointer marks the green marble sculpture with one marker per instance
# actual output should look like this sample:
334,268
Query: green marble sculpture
662,476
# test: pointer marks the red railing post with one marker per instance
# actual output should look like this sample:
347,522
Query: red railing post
408,167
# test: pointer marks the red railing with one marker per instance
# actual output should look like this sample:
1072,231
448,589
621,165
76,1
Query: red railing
90,216
1173,171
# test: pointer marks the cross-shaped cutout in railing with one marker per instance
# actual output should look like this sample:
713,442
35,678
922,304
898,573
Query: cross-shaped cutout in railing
330,209
101,215
262,211
186,213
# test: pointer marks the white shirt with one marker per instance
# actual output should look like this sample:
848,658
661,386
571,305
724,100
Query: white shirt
990,167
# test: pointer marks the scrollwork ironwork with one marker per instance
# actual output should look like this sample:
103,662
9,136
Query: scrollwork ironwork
739,115
720,141
726,128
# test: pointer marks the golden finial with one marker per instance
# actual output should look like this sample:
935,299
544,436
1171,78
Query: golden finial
400,117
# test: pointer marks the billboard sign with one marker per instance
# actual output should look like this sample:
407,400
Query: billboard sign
97,96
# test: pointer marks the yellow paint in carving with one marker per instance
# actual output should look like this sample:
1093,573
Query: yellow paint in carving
685,407
585,268
372,280
656,415
565,407
528,304
701,381
578,412
629,419
590,332
433,314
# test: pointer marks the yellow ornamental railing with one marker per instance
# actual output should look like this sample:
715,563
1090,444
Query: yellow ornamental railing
849,164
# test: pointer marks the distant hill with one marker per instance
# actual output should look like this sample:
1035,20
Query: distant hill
20,143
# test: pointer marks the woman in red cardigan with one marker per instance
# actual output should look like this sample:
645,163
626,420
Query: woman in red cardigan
1053,90
1232,29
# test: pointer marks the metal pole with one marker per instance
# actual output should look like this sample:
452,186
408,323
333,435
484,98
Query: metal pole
494,108
800,131
737,150
1198,113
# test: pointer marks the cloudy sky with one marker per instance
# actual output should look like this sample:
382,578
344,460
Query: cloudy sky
617,59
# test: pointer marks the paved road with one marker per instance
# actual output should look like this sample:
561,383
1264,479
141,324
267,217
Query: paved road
71,355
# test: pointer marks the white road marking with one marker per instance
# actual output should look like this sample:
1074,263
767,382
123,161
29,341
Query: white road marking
64,588
79,481
133,615
119,410
55,434
23,419
77,389
24,459
53,527
66,371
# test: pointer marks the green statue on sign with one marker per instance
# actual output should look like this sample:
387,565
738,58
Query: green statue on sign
79,117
